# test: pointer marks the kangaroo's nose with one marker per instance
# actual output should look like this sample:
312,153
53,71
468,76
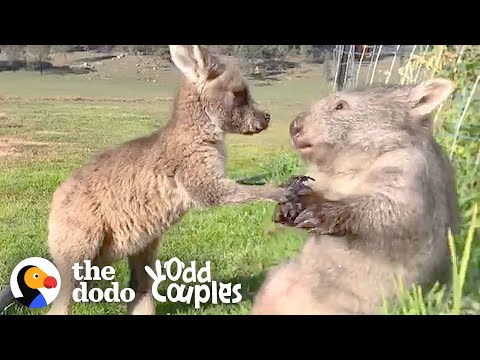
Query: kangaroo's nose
295,127
267,117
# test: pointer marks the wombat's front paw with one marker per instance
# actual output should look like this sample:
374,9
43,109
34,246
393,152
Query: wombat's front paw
330,218
294,202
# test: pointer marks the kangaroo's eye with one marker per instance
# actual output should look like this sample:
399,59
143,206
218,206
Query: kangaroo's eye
240,97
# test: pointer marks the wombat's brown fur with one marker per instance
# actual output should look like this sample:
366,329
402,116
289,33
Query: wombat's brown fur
120,203
381,205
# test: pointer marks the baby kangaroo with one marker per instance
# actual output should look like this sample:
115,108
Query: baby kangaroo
121,202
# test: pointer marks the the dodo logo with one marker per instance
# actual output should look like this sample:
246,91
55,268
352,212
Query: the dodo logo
35,282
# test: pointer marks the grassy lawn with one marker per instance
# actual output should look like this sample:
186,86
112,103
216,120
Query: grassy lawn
44,134
51,137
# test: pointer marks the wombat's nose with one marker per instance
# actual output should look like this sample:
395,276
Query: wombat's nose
297,124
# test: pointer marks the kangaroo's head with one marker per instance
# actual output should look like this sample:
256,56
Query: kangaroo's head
221,90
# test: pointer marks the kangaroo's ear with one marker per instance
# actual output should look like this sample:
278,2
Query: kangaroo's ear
427,96
195,62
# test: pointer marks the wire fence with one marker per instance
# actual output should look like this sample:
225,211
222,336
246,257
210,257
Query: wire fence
367,65
356,65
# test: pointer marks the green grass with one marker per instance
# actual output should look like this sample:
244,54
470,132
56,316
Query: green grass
439,299
32,84
69,132
240,241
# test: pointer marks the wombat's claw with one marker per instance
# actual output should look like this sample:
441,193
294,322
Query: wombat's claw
306,220
297,189
290,207
286,213
281,212
296,181
293,211
315,222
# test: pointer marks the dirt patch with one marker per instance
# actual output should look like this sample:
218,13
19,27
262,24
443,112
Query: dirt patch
5,151
3,116
10,146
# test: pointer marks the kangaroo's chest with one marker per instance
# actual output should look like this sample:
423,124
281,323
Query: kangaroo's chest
141,214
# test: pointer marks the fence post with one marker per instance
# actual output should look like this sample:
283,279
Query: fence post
343,69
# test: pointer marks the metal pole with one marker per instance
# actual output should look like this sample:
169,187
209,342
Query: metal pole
337,67
376,63
343,69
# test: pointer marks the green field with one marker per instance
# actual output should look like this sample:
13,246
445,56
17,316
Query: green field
45,134
50,124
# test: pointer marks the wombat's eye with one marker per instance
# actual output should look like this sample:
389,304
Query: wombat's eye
240,94
341,105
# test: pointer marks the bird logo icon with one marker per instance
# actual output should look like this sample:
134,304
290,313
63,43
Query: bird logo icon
35,282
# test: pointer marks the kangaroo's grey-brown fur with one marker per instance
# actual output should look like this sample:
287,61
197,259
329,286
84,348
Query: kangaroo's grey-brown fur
120,203
380,208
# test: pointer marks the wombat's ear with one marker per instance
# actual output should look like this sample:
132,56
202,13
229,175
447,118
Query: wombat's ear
427,96
195,62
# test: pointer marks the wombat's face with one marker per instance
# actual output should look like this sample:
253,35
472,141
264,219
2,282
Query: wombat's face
228,100
366,117
223,91
326,125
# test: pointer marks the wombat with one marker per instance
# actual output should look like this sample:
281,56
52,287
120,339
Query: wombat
379,210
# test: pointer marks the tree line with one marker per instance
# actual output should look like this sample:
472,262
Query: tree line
36,56
244,51
18,56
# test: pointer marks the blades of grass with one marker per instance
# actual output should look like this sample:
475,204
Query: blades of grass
401,291
439,296
408,65
415,301
477,161
420,67
466,256
421,302
440,51
455,69
434,298
462,116
453,256
385,305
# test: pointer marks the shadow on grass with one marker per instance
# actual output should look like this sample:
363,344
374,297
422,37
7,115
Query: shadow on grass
96,58
65,70
46,67
249,287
